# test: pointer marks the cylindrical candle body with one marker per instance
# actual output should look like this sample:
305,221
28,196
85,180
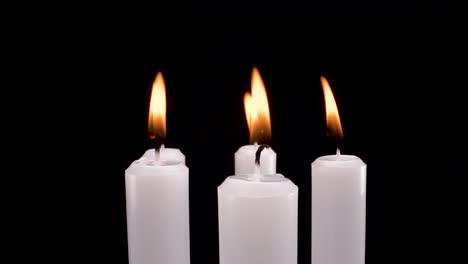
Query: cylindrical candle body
157,212
338,210
257,220
244,161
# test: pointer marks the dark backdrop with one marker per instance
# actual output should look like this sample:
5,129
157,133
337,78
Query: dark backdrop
399,88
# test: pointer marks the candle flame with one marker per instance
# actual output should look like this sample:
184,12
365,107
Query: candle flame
157,112
257,111
333,118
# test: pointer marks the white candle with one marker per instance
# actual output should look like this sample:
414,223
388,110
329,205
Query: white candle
157,193
338,210
157,211
338,201
257,208
257,220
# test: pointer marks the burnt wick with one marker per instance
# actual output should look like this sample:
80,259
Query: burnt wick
157,142
259,152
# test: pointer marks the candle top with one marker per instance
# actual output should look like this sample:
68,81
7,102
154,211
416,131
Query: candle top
150,167
170,160
253,148
166,154
244,160
273,178
144,161
268,186
342,161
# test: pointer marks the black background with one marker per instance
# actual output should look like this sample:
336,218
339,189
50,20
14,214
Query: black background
399,87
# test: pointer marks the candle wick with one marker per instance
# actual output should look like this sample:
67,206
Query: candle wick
338,153
256,144
157,152
259,153
158,143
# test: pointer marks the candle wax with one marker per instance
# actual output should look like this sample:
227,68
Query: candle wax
171,154
158,209
338,210
258,220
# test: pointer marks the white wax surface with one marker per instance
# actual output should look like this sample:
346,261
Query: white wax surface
258,220
157,211
244,161
338,210
171,154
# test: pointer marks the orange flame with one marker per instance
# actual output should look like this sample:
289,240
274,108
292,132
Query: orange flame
157,112
333,118
257,111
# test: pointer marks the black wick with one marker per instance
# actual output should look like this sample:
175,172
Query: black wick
157,141
259,152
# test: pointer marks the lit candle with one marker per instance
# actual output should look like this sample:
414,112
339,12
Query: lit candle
338,200
258,121
258,212
157,195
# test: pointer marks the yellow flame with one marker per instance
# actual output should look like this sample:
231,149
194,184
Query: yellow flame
257,111
248,109
157,112
333,118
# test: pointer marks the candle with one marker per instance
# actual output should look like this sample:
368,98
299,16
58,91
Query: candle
258,212
157,196
338,200
258,121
